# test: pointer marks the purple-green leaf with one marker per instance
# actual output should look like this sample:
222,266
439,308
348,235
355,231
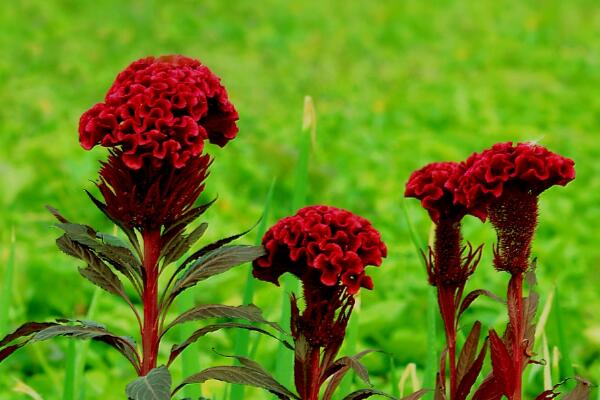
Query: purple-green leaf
156,385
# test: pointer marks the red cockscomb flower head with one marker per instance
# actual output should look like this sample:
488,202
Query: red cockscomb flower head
333,243
160,111
434,185
155,119
526,167
505,181
327,248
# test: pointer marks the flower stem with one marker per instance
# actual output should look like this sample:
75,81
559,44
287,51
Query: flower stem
515,295
311,372
150,334
448,310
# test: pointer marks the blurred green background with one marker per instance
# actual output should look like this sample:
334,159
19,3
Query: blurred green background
396,84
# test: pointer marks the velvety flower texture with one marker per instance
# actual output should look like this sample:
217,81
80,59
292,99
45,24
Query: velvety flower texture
148,198
505,181
434,185
161,110
333,242
526,167
449,264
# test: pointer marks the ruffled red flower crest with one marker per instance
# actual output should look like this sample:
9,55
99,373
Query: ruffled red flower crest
333,242
527,167
435,185
161,110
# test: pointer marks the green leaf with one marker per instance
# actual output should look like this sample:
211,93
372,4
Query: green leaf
177,349
581,391
244,375
209,248
366,393
128,231
27,329
214,263
242,337
96,271
429,378
154,386
93,331
339,369
107,247
249,313
181,243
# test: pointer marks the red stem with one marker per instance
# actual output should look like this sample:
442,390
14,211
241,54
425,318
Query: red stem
516,319
313,374
150,334
448,310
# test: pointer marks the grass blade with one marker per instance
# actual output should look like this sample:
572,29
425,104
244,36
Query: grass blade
350,343
243,336
70,370
6,294
285,358
190,364
566,368
431,362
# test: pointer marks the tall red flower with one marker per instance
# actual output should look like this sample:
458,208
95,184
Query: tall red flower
155,120
504,182
436,185
327,248
449,264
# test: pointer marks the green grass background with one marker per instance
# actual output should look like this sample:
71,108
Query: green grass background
396,84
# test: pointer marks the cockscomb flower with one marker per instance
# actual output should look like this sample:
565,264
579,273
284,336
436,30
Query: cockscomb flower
327,248
155,120
449,263
505,182
161,110
332,243
435,185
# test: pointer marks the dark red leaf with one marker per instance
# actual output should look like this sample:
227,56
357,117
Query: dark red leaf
472,296
468,380
468,352
502,364
488,390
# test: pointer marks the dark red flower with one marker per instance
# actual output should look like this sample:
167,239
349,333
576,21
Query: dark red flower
161,110
505,182
335,243
527,167
435,185
148,198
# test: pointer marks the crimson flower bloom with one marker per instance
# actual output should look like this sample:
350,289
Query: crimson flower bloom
327,248
161,110
436,185
449,264
505,182
155,120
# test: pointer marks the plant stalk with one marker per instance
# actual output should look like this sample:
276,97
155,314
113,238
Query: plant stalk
448,310
150,334
515,292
